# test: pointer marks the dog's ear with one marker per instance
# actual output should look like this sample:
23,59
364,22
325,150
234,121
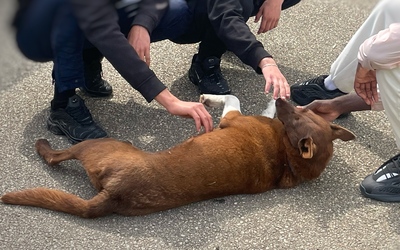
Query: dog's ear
306,146
341,133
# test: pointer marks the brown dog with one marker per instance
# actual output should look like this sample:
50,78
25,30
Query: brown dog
245,155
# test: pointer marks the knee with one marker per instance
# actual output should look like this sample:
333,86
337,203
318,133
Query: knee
388,8
31,49
178,11
176,21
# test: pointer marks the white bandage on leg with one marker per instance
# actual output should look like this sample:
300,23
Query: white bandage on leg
230,102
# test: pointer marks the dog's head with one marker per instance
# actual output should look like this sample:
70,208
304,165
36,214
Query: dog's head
309,133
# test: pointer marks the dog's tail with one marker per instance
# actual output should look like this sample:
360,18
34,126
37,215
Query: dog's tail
61,201
51,156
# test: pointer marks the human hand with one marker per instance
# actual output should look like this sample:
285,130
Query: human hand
365,85
194,110
273,77
325,109
139,39
269,13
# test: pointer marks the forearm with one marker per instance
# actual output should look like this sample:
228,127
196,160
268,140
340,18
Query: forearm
350,103
166,99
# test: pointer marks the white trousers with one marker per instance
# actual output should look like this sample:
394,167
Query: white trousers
343,70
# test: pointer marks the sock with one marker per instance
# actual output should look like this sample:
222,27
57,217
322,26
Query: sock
329,84
60,100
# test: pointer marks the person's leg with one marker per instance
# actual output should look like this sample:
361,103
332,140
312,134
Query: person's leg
175,23
389,90
95,85
205,71
40,40
48,31
342,72
384,183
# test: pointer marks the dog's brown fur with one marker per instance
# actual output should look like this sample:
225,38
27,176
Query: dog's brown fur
245,155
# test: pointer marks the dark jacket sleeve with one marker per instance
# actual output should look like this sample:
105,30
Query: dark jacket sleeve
99,21
150,13
228,18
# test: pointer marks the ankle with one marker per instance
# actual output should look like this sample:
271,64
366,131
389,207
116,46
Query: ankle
60,100
329,83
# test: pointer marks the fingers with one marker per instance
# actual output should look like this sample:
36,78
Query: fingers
201,118
144,55
281,89
267,25
269,14
280,85
361,92
258,16
147,57
375,95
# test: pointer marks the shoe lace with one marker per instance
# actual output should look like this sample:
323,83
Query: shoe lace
214,78
316,81
81,114
391,170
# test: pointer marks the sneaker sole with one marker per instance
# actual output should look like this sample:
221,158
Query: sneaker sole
384,198
57,130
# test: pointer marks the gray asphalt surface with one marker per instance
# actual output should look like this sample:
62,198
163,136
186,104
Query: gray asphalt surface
328,213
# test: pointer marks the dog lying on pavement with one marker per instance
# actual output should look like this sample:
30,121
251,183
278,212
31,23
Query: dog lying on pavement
244,155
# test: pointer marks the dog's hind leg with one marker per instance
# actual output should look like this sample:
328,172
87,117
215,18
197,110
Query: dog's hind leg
51,156
230,102
61,201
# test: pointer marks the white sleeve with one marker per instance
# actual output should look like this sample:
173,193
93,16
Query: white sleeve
381,51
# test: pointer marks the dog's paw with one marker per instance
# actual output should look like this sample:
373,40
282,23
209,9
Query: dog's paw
206,100
210,100
202,99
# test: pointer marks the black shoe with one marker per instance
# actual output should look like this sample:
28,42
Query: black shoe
95,85
208,77
75,122
314,89
384,184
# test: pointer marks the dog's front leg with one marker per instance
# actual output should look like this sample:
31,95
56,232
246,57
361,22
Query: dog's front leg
230,102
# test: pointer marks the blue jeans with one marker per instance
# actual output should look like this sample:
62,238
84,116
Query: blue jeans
49,31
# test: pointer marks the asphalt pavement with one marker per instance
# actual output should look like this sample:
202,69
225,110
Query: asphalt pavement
328,213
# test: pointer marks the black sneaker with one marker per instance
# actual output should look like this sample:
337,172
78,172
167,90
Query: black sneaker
384,184
208,77
75,122
314,89
95,85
